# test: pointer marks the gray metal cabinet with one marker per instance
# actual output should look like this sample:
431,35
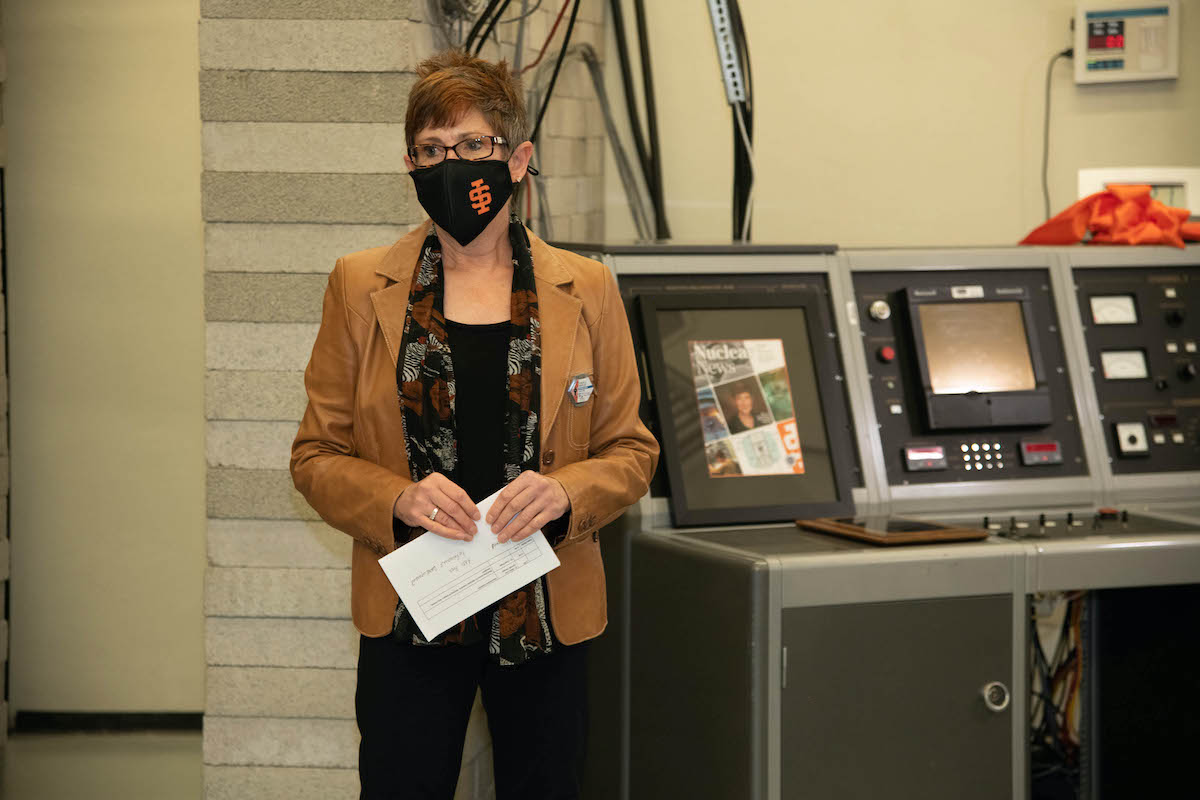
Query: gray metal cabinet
885,700
772,663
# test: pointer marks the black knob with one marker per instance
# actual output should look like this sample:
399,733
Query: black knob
1187,371
1175,317
1161,384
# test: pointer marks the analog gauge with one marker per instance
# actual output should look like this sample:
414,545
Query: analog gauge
1124,365
1114,309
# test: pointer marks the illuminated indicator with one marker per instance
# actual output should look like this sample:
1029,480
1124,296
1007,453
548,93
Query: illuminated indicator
925,457
1034,454
1124,365
1114,309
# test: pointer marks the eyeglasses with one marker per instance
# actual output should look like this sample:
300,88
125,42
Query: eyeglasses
476,148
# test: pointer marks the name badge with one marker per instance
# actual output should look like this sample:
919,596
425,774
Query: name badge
580,389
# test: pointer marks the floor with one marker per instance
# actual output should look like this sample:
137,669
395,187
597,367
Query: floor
100,766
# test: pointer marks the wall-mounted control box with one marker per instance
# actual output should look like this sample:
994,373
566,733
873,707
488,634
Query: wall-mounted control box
1126,42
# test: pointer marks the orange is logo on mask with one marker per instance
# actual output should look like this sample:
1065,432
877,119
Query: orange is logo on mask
481,196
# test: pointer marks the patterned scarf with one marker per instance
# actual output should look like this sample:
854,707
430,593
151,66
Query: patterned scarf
518,628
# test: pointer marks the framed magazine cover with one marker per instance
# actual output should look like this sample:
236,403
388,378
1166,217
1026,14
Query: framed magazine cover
748,407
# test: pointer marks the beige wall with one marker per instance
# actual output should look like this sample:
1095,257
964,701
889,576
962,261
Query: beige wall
107,355
912,123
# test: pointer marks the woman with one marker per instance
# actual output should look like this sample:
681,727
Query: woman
468,357
746,417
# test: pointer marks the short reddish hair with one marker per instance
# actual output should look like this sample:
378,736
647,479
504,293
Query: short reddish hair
452,83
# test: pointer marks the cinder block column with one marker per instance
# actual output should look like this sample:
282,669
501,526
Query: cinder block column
302,106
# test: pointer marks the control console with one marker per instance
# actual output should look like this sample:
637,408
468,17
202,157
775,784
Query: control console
1142,328
967,374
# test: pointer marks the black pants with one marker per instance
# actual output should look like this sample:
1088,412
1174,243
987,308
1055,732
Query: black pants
413,704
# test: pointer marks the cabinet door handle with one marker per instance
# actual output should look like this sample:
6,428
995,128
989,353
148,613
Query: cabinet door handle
996,696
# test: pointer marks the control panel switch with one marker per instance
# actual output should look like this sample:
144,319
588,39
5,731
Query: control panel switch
1131,439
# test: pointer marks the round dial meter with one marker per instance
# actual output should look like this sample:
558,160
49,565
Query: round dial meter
1114,309
1124,365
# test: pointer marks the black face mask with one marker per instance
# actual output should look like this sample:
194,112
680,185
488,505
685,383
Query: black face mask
461,196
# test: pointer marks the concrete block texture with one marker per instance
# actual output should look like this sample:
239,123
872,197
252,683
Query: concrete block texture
255,96
310,9
279,783
309,197
295,247
280,742
255,394
238,642
298,44
291,593
278,346
276,543
280,692
356,147
255,494
249,444
263,297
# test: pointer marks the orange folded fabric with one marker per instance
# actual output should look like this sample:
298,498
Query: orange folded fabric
1118,215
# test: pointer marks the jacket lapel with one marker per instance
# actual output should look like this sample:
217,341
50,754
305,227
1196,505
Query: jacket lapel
559,312
391,302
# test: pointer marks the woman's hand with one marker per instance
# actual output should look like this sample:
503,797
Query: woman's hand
456,514
528,503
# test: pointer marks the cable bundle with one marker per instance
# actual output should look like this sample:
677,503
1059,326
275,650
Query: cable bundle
1055,686
743,133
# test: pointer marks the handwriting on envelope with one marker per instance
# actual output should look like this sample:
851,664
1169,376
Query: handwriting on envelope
444,581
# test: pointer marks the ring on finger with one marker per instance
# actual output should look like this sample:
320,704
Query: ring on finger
433,514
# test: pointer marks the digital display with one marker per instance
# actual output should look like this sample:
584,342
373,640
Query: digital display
1106,35
1041,447
1106,43
976,347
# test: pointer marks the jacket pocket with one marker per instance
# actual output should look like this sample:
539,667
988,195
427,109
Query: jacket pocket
579,425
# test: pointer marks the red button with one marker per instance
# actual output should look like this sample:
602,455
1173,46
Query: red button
887,354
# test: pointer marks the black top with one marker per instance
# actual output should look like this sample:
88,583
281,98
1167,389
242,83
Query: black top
480,355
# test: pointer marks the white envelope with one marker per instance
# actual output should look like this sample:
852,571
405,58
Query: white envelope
443,581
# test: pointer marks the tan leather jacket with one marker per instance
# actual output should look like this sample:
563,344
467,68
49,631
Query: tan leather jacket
349,462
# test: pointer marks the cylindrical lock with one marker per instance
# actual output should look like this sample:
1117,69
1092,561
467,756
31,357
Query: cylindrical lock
996,696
